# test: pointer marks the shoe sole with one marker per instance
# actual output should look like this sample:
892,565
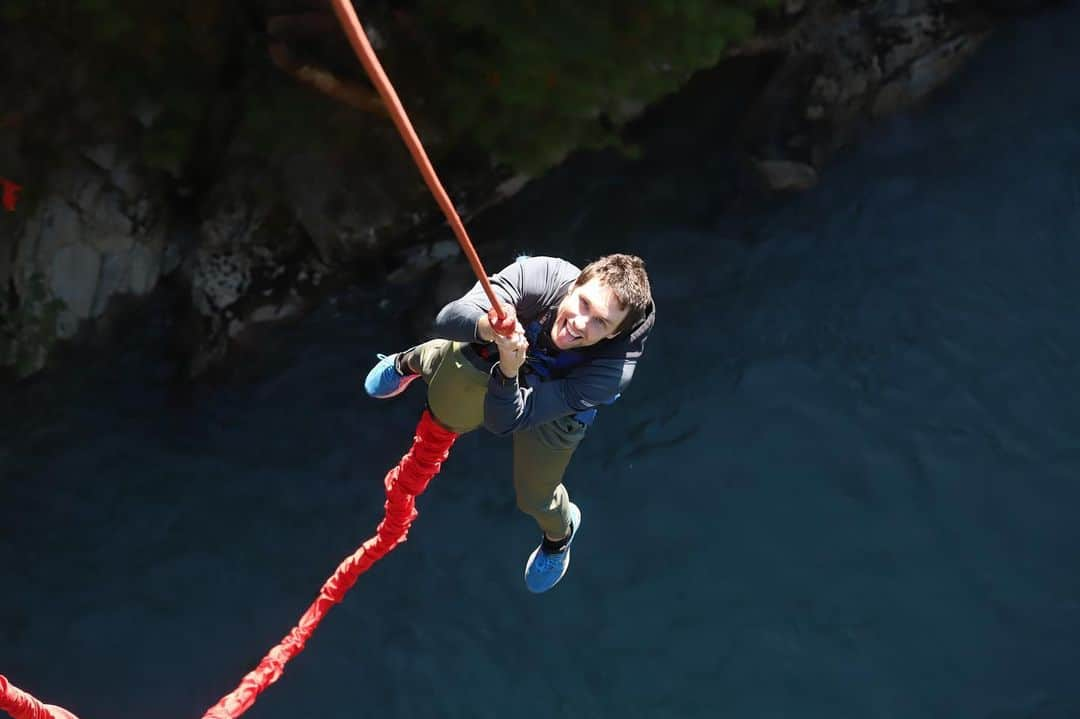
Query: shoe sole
401,388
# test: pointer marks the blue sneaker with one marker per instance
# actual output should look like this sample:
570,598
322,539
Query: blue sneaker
543,571
384,381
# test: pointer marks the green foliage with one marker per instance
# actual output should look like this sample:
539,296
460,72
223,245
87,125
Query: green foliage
167,142
526,80
531,80
289,117
134,53
14,10
164,54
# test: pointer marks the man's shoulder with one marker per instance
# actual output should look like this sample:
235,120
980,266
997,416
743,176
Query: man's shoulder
551,265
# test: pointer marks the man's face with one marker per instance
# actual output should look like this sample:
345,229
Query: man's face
588,314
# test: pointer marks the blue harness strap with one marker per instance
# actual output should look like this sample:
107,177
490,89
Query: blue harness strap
546,366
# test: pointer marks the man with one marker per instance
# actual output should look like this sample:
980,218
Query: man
568,344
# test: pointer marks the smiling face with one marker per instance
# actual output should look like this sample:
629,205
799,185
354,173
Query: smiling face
588,314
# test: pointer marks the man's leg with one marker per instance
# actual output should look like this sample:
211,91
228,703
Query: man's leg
541,455
455,388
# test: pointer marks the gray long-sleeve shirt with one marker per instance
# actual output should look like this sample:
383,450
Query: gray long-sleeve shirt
535,286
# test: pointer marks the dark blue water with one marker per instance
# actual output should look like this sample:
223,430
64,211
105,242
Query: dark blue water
844,483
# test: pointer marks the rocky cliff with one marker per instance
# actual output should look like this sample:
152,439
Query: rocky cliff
234,154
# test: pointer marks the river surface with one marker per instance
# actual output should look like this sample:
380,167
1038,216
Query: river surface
844,483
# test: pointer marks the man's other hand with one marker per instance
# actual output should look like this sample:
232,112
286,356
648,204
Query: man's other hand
512,351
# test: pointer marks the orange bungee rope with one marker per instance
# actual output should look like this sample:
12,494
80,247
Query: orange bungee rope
355,32
430,448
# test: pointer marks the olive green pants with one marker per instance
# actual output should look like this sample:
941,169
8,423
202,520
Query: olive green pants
456,392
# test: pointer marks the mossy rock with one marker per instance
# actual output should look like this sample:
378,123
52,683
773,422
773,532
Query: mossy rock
530,81
28,331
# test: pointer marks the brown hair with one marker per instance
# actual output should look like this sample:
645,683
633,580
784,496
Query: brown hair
625,275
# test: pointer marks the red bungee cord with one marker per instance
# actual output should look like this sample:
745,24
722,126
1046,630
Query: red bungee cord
432,442
431,446
21,705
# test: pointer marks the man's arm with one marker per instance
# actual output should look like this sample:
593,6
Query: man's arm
510,406
465,319
526,285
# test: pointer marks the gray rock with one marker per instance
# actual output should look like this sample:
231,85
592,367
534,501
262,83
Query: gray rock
147,261
170,259
59,225
128,178
275,312
845,64
512,186
146,112
115,278
419,260
86,187
924,75
106,227
219,279
780,175
343,211
103,155
73,278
